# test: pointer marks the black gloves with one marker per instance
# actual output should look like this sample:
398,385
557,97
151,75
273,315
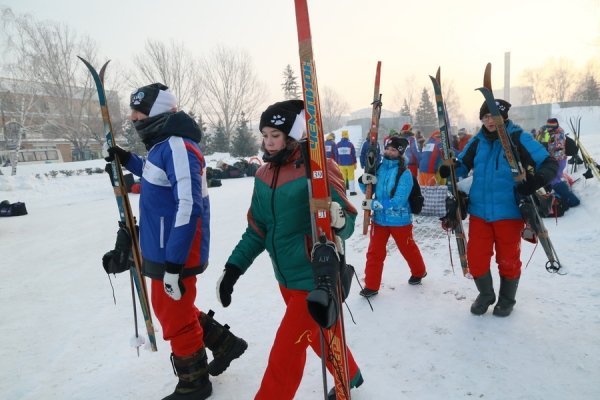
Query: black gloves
530,184
231,274
444,171
123,154
119,259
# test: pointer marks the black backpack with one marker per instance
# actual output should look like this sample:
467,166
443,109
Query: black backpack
415,198
571,148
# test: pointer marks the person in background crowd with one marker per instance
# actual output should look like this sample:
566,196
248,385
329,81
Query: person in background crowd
431,159
463,139
174,237
347,161
364,149
331,147
557,148
495,222
412,153
279,221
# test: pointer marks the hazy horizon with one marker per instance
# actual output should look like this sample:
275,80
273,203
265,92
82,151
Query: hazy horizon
349,37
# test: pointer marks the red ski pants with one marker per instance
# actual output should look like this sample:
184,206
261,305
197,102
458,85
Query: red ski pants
378,250
178,319
504,237
297,331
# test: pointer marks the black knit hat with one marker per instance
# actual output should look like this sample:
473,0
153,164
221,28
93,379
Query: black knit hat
153,99
503,106
397,142
287,116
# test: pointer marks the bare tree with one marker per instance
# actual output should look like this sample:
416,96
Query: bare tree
534,78
43,56
171,64
559,79
406,97
229,87
333,107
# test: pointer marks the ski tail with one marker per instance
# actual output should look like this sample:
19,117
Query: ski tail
124,206
372,157
320,199
454,216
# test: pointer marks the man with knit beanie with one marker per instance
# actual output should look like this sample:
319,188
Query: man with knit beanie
174,237
496,223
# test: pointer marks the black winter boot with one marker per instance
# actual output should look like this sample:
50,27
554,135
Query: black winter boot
486,296
506,297
193,377
225,346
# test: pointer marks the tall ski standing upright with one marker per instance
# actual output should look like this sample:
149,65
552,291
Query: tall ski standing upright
125,213
527,204
454,221
371,159
320,200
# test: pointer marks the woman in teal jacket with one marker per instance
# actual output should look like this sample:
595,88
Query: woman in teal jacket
279,222
391,216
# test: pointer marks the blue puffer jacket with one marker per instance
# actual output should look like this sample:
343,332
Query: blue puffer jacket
492,196
396,210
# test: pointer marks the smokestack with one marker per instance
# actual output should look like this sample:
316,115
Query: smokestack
507,76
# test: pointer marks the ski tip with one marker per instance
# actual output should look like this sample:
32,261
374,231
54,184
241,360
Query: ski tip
438,75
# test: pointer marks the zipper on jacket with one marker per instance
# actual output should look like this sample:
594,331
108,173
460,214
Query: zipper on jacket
162,232
273,186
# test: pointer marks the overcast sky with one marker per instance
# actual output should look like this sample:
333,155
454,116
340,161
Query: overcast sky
411,38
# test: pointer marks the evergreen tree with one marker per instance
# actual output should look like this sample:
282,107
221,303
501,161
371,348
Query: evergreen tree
405,110
426,117
290,85
588,90
244,142
218,140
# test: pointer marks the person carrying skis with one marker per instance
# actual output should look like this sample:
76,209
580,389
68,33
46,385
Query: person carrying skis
391,216
557,149
174,237
331,147
279,221
347,161
495,223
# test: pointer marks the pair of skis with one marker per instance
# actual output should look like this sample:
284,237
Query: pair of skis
372,156
324,240
590,164
125,214
454,217
527,205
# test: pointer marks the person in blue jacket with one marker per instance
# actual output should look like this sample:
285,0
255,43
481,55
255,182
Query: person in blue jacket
364,149
495,223
347,161
391,216
331,147
174,237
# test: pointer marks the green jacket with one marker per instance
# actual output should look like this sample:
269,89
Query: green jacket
279,221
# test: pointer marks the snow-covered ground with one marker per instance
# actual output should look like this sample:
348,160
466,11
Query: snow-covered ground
64,338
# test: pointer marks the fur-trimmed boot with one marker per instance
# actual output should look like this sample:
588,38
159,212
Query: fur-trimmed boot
223,344
506,297
192,371
486,296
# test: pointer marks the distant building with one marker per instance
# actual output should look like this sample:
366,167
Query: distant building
41,111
